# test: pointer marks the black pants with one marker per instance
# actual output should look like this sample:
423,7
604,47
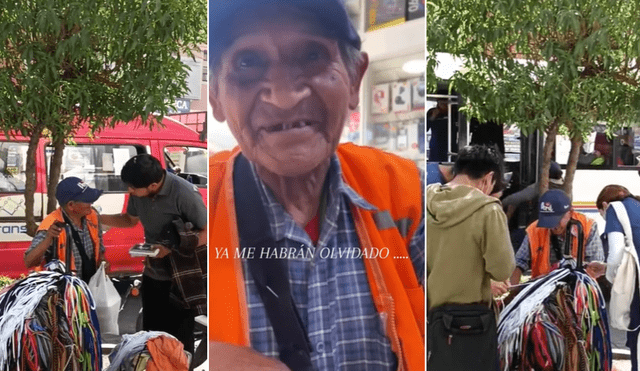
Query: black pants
462,338
160,313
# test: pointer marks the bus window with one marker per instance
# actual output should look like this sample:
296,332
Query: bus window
596,152
13,158
188,162
628,149
98,165
512,143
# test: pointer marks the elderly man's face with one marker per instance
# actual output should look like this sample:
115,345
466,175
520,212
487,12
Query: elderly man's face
561,228
285,93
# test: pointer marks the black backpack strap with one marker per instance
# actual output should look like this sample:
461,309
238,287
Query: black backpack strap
88,266
568,240
270,275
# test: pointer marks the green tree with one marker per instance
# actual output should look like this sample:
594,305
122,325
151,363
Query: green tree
555,66
64,63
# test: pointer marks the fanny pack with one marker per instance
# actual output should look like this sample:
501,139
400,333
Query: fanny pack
462,337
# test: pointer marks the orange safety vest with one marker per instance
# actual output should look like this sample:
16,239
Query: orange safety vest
386,181
92,224
540,244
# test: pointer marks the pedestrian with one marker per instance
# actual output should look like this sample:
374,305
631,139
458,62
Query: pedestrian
615,238
438,173
159,199
532,192
543,247
75,214
284,75
440,124
469,246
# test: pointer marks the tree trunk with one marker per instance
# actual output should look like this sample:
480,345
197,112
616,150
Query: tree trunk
572,163
30,182
549,142
54,171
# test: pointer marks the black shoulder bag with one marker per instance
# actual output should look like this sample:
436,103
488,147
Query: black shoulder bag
270,275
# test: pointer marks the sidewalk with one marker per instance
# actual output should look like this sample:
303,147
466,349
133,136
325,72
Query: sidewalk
621,365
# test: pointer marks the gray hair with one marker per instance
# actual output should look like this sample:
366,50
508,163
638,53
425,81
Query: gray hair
351,58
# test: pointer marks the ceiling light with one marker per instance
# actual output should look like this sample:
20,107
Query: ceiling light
416,66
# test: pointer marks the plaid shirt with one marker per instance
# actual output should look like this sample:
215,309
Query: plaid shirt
332,295
86,241
592,250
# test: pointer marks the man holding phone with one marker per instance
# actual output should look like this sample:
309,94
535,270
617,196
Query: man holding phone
75,211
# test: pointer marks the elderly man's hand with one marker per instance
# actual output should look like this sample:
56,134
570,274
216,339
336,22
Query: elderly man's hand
227,357
499,288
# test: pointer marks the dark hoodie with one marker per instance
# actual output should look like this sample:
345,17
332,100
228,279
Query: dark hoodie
467,245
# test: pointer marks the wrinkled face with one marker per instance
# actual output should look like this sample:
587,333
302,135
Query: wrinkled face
285,93
79,208
562,226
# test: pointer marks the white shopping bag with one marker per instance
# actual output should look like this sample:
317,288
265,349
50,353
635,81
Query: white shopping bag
107,301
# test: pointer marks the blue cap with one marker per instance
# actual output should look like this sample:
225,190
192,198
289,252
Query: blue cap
554,204
555,172
74,189
223,14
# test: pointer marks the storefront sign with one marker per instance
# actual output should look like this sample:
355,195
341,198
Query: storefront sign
182,106
415,9
385,13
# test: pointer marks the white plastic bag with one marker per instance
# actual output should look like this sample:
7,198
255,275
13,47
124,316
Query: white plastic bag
107,301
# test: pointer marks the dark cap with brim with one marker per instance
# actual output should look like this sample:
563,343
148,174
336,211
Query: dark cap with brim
224,14
74,189
554,204
555,172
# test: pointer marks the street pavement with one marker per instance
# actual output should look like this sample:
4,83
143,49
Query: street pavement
621,365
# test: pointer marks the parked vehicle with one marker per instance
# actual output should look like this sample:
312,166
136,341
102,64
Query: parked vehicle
98,160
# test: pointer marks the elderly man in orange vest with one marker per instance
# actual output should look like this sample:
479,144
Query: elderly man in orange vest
75,198
317,249
543,246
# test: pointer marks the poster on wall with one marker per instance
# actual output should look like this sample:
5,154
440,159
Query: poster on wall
380,99
417,92
415,9
385,13
401,98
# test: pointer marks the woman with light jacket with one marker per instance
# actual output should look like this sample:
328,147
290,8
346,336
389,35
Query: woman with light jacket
615,239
